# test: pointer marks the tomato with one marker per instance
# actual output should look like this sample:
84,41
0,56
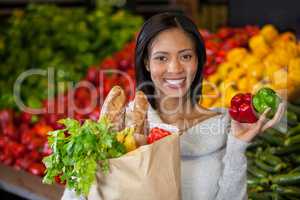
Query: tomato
27,136
26,117
36,143
23,162
42,129
9,130
93,75
6,116
37,169
46,150
156,134
3,141
35,156
94,115
59,181
17,149
109,63
6,157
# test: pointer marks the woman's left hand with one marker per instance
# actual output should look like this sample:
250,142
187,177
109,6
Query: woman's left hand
246,132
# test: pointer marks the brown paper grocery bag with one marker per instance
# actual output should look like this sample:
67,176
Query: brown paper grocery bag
151,172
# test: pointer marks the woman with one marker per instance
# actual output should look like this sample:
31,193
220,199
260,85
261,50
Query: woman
169,59
170,55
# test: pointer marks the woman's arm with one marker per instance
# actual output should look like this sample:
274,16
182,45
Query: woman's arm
233,181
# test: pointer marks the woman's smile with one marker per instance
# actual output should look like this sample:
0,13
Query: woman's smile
178,83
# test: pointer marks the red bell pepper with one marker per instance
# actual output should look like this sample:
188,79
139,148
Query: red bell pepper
241,108
156,134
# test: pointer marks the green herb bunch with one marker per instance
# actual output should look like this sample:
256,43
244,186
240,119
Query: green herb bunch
78,151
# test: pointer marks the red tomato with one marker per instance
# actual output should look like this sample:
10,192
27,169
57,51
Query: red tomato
46,150
27,136
17,149
36,143
42,129
35,156
156,134
23,162
26,117
37,169
59,181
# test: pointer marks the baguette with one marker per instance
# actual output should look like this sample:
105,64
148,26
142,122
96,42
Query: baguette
114,107
137,118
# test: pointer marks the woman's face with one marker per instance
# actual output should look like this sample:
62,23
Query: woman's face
172,62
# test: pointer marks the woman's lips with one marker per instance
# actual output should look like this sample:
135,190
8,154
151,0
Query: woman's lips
175,83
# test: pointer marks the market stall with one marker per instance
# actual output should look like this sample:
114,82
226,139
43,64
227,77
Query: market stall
76,47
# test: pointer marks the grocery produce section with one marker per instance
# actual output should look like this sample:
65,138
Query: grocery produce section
81,44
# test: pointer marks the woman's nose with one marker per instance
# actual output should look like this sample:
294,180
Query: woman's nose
175,66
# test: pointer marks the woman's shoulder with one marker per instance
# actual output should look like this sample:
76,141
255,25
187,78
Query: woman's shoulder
207,136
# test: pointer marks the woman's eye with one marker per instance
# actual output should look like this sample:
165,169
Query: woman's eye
186,57
161,58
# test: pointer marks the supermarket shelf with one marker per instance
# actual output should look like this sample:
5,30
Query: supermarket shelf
27,185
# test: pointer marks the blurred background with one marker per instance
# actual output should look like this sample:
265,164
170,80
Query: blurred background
49,47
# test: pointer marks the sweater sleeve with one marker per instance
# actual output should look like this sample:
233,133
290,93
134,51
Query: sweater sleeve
233,181
71,195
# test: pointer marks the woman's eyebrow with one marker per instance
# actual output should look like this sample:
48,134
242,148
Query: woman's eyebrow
183,50
164,52
160,52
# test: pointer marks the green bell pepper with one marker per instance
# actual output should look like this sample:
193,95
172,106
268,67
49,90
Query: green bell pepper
266,98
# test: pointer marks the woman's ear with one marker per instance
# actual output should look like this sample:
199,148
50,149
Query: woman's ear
146,63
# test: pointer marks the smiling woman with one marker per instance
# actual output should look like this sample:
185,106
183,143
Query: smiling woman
169,59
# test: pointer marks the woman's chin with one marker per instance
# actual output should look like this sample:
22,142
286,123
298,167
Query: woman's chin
174,92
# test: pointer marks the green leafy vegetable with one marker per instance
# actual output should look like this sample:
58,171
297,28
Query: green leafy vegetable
76,154
65,40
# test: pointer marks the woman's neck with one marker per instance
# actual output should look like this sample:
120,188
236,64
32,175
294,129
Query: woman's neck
173,108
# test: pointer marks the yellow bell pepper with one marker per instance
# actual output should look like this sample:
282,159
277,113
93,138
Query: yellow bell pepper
279,79
236,55
294,70
256,70
225,68
248,61
257,41
126,137
242,84
269,32
236,74
288,36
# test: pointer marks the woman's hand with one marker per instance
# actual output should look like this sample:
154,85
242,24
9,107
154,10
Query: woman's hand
246,132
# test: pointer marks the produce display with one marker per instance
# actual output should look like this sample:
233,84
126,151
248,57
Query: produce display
218,44
273,162
60,41
23,147
271,59
245,69
28,132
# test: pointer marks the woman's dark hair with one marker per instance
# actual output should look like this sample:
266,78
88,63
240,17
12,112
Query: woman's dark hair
149,30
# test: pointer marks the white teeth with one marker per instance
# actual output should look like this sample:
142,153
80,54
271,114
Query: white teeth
175,81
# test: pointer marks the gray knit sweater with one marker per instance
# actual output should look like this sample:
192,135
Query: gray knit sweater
213,163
